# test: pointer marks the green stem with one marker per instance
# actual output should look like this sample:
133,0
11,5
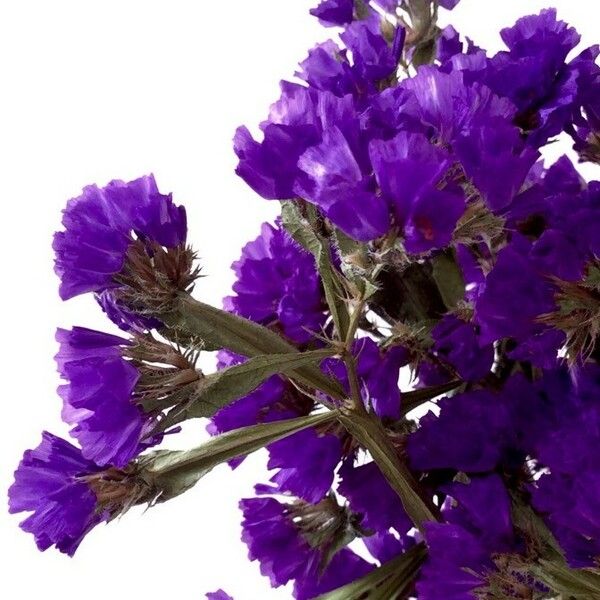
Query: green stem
370,433
220,329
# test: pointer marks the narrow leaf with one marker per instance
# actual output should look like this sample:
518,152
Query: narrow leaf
449,279
305,234
219,389
415,398
221,329
369,432
174,472
391,581
572,583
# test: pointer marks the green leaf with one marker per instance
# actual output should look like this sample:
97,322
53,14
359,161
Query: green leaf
571,583
415,398
552,568
304,232
370,433
391,581
219,389
424,53
449,279
221,329
173,472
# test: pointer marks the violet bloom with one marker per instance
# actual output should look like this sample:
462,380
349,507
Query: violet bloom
218,595
534,75
374,59
102,224
370,495
334,12
567,493
49,483
307,474
278,285
117,389
478,525
409,171
99,395
516,294
281,545
477,431
457,342
337,179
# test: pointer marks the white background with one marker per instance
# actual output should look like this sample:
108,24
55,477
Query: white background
95,90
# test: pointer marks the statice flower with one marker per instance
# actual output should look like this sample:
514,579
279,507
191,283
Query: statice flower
422,234
334,12
534,75
107,384
286,545
50,483
566,493
370,495
98,397
476,431
478,526
277,285
100,226
218,595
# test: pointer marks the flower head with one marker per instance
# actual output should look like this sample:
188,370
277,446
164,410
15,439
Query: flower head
290,547
99,228
460,550
108,380
48,483
277,284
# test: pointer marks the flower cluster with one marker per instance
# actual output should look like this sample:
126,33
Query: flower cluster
117,390
414,342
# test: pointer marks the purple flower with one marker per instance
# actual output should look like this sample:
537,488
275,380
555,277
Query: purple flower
458,343
567,493
409,170
332,178
334,12
477,431
309,473
449,105
49,483
99,228
496,159
278,284
515,295
99,395
534,75
460,550
373,58
370,495
449,4
284,553
218,595
327,69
